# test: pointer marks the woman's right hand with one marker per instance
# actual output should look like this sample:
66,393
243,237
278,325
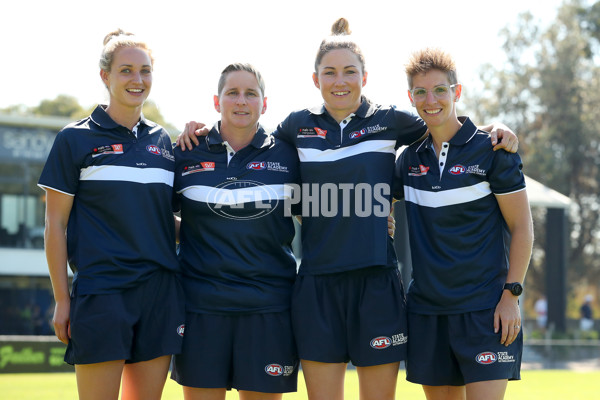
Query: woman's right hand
189,137
61,320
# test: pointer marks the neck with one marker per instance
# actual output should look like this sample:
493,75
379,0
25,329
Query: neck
443,133
238,138
126,117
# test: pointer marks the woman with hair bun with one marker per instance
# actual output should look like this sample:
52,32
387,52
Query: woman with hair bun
348,301
109,215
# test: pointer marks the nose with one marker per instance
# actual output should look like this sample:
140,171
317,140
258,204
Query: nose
430,98
241,99
137,77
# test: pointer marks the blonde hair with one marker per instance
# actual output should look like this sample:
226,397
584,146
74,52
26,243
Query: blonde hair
425,60
116,40
339,39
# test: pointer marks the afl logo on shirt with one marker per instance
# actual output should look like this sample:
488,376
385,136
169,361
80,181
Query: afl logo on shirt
152,148
487,357
274,369
357,134
457,170
256,165
381,342
180,330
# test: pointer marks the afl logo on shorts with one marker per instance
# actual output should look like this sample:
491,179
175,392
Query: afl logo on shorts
487,357
457,170
180,330
274,369
153,149
381,342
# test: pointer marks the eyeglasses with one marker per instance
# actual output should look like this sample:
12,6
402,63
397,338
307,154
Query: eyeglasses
440,92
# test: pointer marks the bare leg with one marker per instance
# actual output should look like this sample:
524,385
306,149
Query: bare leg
378,382
445,392
247,395
489,390
324,381
192,393
145,380
99,381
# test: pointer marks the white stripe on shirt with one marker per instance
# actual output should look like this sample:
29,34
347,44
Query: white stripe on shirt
127,174
368,146
228,197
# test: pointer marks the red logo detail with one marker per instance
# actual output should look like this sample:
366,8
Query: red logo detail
180,330
321,132
257,165
208,164
423,168
153,149
274,369
457,170
487,357
117,148
381,342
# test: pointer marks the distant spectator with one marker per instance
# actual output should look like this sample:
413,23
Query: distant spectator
587,321
541,310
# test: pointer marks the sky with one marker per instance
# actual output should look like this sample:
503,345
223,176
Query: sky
53,47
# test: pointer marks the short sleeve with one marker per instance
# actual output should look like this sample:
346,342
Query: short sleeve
506,174
410,127
61,171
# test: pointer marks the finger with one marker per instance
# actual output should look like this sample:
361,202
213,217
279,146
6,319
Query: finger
494,136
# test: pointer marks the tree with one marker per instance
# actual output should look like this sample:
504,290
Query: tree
63,105
549,92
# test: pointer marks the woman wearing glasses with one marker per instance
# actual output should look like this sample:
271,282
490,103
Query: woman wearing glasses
348,300
462,202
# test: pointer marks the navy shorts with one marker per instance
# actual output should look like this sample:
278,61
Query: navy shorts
137,324
254,352
357,316
462,347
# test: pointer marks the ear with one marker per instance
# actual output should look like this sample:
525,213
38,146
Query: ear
316,80
412,101
457,92
217,104
264,107
104,77
364,79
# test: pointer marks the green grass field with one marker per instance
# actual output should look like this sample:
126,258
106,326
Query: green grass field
542,384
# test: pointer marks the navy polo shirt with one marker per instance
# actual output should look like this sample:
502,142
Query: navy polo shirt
459,240
347,170
235,238
121,227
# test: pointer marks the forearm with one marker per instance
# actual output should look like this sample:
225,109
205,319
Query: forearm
56,256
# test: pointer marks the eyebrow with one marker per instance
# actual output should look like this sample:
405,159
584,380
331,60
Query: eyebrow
131,65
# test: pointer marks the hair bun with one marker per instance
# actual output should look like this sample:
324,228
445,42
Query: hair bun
340,27
116,33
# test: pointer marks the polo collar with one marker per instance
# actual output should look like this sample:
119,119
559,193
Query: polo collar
101,118
261,138
467,131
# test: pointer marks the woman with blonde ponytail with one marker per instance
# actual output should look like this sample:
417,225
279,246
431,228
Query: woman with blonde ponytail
108,182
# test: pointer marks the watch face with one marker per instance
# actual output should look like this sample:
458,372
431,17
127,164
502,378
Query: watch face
517,289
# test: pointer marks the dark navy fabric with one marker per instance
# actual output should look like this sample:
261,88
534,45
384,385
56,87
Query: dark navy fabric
254,352
136,324
459,240
235,251
459,349
357,316
355,160
121,226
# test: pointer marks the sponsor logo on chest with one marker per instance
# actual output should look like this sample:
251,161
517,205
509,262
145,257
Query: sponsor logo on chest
204,166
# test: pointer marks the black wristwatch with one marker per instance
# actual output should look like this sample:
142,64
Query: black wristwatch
515,288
